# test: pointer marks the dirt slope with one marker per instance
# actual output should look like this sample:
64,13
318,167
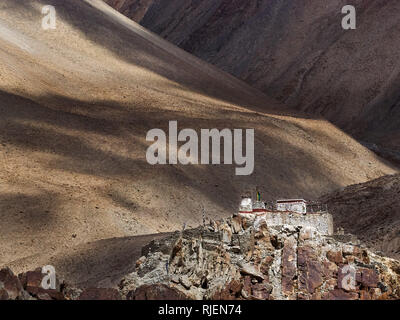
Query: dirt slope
297,51
76,104
371,211
100,263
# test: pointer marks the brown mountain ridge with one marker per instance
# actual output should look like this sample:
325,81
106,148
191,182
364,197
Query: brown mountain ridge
297,52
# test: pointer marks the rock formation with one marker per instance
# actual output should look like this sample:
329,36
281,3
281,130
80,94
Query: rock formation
236,259
232,259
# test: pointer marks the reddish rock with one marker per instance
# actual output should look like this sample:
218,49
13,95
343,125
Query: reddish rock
235,286
330,270
3,294
45,294
335,256
310,270
331,284
289,267
317,296
365,257
369,278
226,295
375,293
350,259
303,296
71,293
156,292
364,295
246,290
386,296
262,234
339,294
265,265
261,291
31,278
347,280
10,284
358,276
358,252
230,292
223,295
32,283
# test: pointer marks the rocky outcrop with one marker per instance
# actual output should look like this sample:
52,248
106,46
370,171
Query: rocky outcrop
31,281
28,286
233,259
10,286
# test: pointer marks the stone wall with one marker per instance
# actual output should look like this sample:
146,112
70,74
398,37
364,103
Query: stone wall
322,222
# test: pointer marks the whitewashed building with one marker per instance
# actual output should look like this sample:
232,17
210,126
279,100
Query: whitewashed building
292,205
246,205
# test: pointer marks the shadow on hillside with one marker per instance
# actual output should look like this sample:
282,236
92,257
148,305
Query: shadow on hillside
95,264
90,145
173,64
87,143
21,213
102,263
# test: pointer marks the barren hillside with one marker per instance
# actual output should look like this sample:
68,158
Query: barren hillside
297,52
76,104
371,211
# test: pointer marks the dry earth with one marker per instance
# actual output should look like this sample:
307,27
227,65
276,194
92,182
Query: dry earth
98,264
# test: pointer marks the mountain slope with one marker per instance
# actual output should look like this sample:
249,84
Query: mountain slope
76,104
298,53
371,211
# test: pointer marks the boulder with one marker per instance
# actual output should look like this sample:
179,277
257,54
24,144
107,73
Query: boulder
289,266
10,286
339,294
32,283
309,269
335,256
369,278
